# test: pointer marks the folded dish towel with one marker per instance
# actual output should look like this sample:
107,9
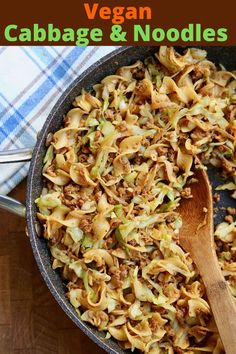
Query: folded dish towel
32,80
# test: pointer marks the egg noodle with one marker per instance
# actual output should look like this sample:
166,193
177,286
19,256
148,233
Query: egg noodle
114,176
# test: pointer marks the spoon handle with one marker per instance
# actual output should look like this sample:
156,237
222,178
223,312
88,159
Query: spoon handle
222,303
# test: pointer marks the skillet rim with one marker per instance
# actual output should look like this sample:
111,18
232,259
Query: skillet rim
110,345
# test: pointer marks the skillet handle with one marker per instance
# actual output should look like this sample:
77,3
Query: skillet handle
13,206
16,155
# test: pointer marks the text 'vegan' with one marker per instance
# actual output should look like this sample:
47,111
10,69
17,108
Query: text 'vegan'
117,14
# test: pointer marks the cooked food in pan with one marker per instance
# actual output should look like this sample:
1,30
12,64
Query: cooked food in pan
114,176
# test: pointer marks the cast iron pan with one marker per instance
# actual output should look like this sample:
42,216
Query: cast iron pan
106,66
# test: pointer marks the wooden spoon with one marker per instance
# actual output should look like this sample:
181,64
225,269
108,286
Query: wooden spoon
196,237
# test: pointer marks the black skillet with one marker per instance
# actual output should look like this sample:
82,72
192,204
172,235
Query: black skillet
106,66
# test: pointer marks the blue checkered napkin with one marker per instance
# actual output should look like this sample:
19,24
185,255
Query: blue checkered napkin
31,81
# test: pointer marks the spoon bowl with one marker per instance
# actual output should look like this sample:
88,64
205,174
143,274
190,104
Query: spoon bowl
196,238
197,215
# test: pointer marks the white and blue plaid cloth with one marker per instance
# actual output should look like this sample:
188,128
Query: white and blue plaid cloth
31,81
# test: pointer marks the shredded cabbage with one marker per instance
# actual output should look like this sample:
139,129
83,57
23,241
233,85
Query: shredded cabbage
114,175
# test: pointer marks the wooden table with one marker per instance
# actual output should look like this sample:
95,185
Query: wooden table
31,322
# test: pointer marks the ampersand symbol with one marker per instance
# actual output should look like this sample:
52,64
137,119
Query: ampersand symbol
117,34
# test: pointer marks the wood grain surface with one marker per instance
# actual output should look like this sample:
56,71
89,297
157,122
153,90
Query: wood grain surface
31,322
